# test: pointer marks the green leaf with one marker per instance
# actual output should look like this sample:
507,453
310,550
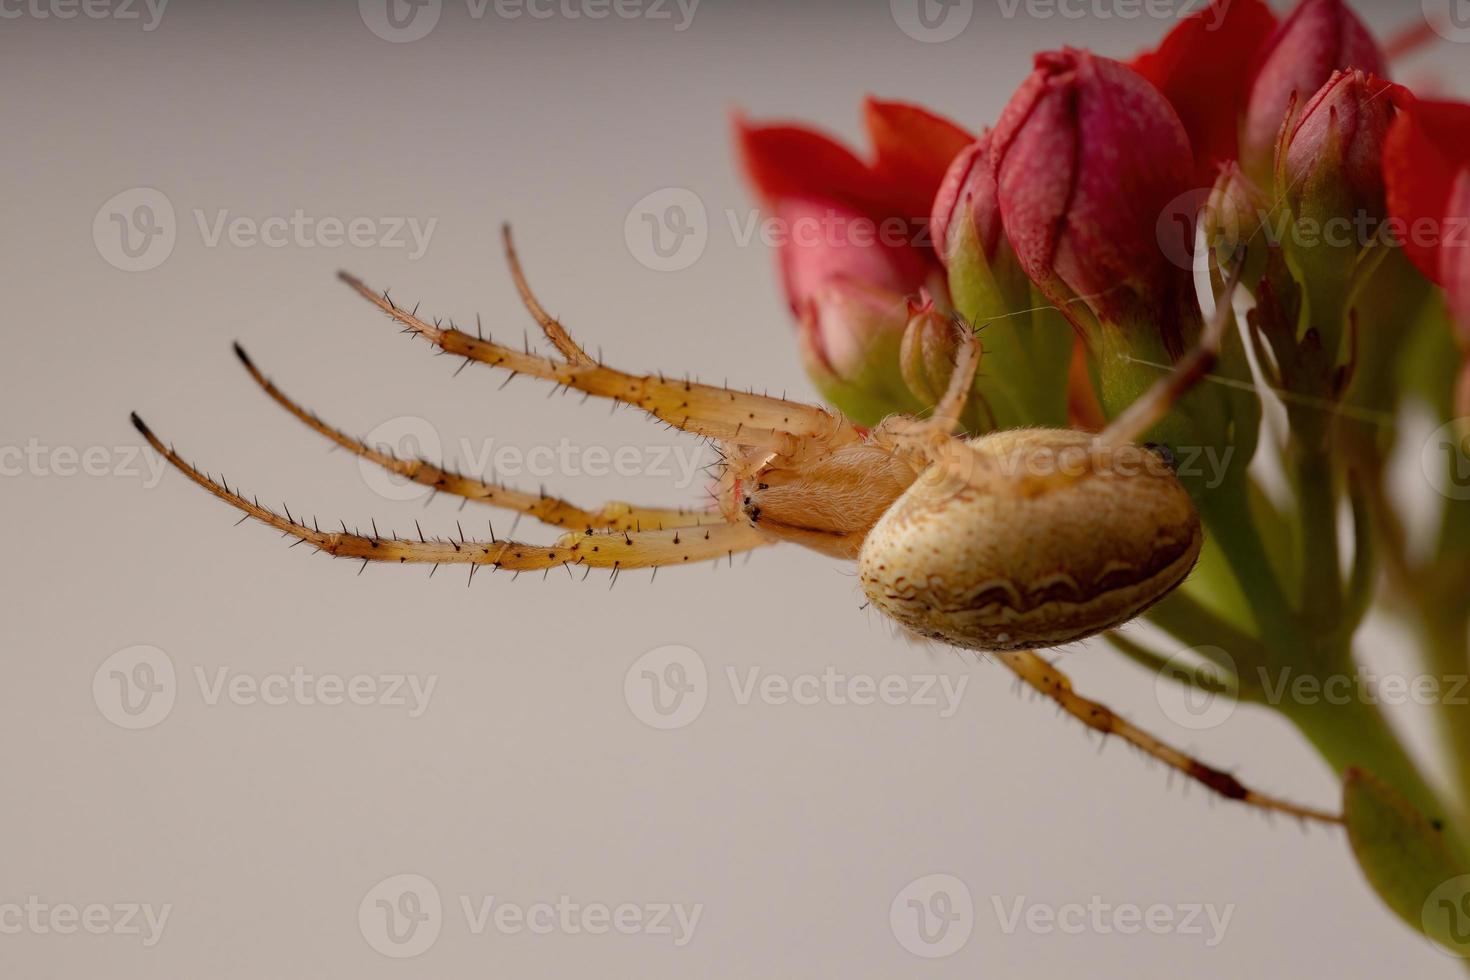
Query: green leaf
1408,862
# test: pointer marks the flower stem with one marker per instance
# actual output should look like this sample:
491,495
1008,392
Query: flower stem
1321,559
1227,515
1444,637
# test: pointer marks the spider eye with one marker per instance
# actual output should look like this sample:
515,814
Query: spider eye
1164,453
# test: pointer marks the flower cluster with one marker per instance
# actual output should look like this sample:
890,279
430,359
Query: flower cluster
1271,165
1086,185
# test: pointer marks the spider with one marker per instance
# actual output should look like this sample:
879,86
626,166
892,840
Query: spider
1006,543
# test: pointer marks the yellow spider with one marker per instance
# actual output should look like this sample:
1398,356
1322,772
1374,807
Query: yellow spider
1006,543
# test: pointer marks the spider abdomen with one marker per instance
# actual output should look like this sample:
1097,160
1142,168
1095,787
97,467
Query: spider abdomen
1031,538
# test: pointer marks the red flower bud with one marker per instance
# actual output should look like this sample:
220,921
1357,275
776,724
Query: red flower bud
1234,212
1087,154
968,192
1336,146
1320,37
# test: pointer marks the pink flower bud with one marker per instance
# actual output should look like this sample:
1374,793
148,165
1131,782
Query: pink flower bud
841,322
1335,150
1087,155
1234,212
825,240
1320,37
968,192
853,243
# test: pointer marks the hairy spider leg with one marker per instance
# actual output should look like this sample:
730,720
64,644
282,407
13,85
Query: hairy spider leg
1051,682
735,417
614,515
609,549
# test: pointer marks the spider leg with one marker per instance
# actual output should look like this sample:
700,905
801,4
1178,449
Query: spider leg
932,440
1151,407
550,325
612,549
735,417
1050,681
554,511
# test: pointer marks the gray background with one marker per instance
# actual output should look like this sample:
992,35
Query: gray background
528,777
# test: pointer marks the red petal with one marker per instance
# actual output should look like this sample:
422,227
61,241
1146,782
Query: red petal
1204,68
1427,145
914,148
792,161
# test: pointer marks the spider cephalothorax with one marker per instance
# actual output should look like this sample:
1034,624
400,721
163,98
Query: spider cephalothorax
1011,541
